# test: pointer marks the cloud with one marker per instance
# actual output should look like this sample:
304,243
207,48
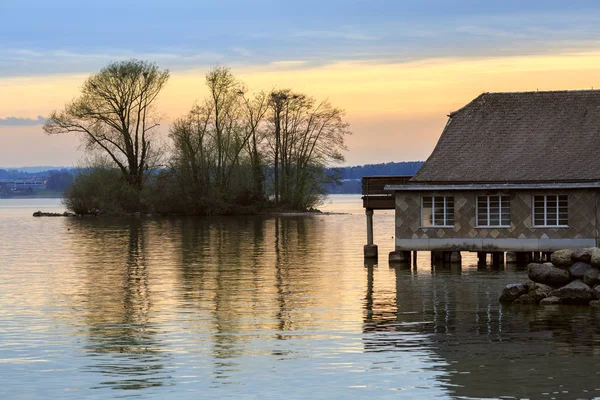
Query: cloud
17,121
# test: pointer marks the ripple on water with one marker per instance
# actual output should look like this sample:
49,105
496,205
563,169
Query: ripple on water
266,307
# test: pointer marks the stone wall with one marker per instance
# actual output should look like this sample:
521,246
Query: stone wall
583,210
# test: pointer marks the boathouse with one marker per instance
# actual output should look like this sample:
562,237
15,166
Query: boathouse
515,172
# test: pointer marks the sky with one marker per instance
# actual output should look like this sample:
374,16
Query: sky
396,67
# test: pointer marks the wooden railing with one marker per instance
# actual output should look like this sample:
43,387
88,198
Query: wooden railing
373,194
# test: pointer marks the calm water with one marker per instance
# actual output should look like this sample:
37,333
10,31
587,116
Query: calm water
266,308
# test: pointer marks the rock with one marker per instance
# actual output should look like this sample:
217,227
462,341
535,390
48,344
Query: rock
595,303
562,257
591,277
595,257
544,288
548,274
512,292
575,292
540,291
578,269
48,214
539,294
583,255
527,298
550,301
596,291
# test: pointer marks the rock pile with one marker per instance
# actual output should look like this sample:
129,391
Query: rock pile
572,277
50,214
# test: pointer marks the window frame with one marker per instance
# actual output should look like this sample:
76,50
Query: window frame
500,203
445,201
545,196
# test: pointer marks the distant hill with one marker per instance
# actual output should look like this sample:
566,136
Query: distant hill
350,177
36,169
31,172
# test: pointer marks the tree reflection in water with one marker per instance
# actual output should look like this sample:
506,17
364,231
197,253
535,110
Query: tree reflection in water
246,279
121,333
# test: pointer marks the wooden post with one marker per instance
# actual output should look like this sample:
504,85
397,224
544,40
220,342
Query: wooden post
455,257
497,258
370,249
414,259
369,213
481,258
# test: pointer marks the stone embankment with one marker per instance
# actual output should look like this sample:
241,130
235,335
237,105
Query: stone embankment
572,277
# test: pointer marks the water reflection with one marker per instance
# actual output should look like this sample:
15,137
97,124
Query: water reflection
269,307
122,337
487,351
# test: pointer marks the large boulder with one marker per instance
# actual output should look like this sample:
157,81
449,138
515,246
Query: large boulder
562,258
548,274
595,257
596,291
575,292
578,269
583,255
591,277
511,292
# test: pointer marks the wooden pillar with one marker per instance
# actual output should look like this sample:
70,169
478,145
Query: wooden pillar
369,213
481,258
370,249
455,257
414,258
497,258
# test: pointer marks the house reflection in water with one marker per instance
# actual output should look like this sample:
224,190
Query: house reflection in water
482,349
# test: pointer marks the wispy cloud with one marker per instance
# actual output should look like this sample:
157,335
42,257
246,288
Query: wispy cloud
17,121
289,64
335,34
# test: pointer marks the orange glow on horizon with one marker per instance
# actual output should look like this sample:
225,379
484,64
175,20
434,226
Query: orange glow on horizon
403,104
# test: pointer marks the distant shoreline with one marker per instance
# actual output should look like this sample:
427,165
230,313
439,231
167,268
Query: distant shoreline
31,197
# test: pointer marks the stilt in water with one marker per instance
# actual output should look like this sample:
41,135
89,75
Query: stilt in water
481,258
498,258
370,249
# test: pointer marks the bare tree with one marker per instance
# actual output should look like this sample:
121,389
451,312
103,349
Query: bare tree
254,118
305,137
211,140
116,116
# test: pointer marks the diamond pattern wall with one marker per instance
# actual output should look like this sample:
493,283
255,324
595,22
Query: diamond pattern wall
584,214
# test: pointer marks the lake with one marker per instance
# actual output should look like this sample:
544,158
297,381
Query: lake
267,308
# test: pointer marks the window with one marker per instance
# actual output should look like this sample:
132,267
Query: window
437,211
493,211
551,210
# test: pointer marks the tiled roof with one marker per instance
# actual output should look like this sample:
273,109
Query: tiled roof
516,137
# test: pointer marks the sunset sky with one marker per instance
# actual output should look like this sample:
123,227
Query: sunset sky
396,67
